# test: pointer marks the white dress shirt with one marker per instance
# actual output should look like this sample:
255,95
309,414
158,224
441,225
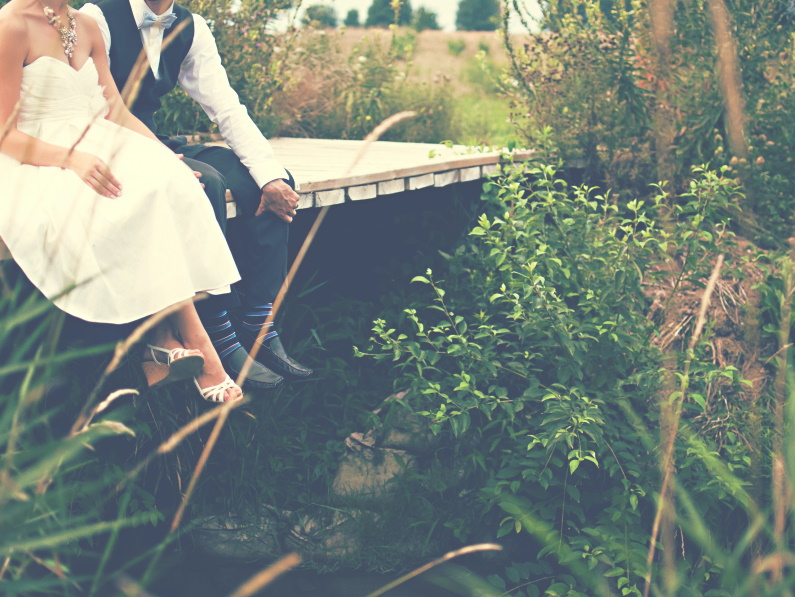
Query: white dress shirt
203,77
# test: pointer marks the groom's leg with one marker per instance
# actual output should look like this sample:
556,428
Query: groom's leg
214,187
259,243
261,258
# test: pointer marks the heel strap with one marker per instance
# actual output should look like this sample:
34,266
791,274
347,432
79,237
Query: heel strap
172,354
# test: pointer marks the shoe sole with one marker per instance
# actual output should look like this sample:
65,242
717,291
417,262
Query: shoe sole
253,384
181,369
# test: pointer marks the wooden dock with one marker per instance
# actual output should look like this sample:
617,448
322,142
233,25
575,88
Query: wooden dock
331,172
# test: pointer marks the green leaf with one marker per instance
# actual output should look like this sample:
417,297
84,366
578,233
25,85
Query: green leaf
613,572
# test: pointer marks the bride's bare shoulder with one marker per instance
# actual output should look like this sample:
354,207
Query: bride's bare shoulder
14,21
86,22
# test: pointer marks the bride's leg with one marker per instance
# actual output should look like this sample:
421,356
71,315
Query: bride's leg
194,336
155,362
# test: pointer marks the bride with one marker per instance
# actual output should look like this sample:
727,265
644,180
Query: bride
100,216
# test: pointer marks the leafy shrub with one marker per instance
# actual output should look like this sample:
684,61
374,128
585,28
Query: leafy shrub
456,47
320,15
483,72
254,57
333,96
591,77
534,350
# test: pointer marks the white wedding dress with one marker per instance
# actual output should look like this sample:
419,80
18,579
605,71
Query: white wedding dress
105,260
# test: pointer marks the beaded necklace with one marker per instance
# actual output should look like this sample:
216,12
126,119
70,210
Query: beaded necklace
68,34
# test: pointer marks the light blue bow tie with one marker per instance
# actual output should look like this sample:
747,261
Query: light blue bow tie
165,20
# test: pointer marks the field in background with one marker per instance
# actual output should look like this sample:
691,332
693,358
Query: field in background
481,110
432,55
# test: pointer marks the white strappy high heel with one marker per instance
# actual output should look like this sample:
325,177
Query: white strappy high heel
182,363
216,393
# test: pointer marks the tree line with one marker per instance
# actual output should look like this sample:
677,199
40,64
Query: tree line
472,15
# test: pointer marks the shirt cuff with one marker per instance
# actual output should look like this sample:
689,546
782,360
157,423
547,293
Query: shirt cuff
262,175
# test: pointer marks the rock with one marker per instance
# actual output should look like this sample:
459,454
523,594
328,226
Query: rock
324,535
401,429
372,462
365,472
244,537
321,537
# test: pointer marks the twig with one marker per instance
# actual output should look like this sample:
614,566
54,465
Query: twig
122,348
106,403
179,435
131,588
267,576
373,136
445,558
376,134
200,467
667,461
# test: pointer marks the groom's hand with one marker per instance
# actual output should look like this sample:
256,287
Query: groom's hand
279,198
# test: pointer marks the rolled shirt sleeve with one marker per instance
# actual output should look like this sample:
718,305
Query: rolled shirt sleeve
204,78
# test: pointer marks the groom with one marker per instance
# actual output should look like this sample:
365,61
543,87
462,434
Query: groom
262,189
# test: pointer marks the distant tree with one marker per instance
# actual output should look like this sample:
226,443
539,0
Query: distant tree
424,19
382,13
352,18
320,15
478,15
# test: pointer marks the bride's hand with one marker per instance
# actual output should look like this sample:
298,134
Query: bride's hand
95,173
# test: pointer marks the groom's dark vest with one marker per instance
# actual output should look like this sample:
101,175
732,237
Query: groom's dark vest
126,45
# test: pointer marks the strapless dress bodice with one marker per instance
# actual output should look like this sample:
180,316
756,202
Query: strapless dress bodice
52,90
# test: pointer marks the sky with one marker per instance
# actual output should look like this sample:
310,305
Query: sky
445,9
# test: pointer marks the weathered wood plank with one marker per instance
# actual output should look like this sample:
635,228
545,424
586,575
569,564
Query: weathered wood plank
332,197
488,169
470,174
443,179
325,164
420,182
306,200
366,191
390,187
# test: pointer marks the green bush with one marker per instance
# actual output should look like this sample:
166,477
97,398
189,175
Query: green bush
534,350
337,97
254,57
590,76
456,47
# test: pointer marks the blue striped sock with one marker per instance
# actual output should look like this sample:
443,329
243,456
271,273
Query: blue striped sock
221,333
254,320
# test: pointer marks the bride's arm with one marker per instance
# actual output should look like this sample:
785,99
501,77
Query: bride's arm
119,113
21,146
